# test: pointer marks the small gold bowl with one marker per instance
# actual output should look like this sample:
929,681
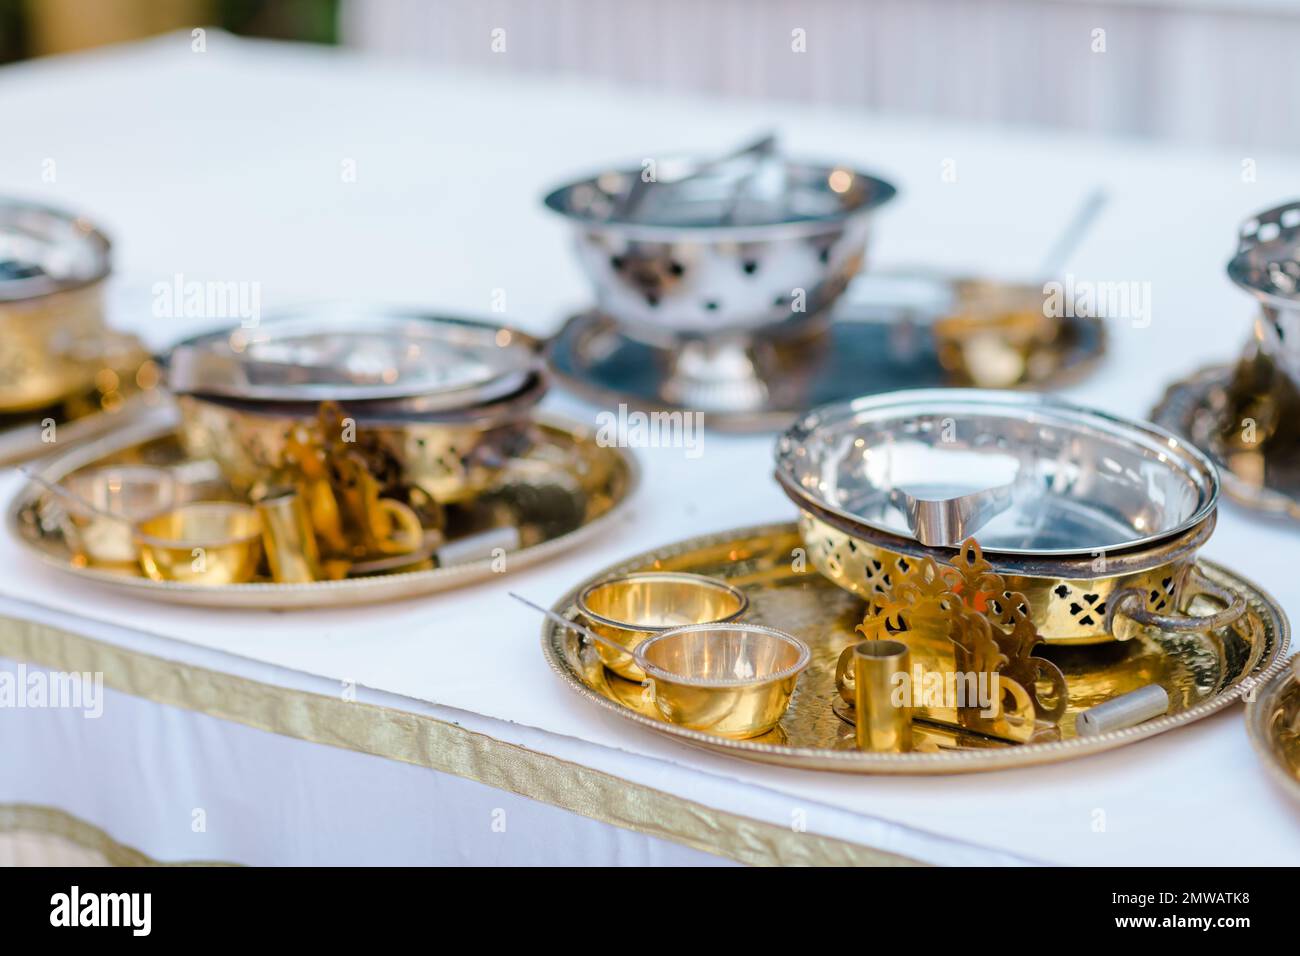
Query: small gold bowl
131,492
203,542
732,680
635,607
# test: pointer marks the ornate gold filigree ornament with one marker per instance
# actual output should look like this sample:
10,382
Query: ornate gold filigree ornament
971,641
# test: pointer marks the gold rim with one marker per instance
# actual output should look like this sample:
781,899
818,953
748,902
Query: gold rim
1277,637
29,818
703,580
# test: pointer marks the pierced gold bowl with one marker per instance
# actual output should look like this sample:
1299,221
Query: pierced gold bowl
633,608
203,542
732,680
52,269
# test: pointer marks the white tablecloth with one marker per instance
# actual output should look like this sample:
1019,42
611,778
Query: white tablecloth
226,166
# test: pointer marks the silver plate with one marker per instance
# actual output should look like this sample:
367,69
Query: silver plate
867,349
354,353
45,250
1084,481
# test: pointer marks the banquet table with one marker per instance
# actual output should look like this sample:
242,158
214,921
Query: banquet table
431,730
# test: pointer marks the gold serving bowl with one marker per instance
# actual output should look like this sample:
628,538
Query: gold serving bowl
203,542
132,493
732,680
51,284
997,335
633,608
428,405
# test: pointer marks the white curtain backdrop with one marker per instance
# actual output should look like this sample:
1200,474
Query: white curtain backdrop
1205,71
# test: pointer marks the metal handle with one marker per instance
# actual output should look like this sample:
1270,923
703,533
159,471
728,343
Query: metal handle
1131,603
844,678
1045,670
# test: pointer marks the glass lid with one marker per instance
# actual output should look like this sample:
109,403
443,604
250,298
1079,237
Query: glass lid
350,353
1028,475
45,250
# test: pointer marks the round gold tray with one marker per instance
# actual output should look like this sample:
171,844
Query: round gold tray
1203,673
1273,720
559,513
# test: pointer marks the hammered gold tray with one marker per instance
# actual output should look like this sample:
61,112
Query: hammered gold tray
565,491
1203,673
1273,720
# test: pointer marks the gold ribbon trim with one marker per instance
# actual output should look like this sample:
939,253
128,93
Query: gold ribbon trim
436,745
28,818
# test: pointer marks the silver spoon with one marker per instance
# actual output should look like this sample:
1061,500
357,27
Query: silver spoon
627,204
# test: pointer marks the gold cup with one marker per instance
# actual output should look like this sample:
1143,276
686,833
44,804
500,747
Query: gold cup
865,678
130,492
288,539
635,607
732,680
203,542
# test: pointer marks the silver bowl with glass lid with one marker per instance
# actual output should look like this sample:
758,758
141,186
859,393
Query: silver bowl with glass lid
432,402
1090,516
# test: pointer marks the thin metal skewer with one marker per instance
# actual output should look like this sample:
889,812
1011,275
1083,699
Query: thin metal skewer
1073,234
565,622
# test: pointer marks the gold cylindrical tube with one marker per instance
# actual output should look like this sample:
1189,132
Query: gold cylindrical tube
881,700
288,539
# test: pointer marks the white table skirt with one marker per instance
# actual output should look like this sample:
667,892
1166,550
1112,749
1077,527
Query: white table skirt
182,786
225,165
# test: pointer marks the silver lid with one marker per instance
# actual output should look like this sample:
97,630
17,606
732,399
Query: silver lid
1070,481
1267,262
354,353
787,197
45,250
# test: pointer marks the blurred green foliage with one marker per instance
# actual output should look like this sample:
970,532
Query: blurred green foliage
310,21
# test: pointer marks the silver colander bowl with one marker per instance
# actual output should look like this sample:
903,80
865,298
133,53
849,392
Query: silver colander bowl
711,255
